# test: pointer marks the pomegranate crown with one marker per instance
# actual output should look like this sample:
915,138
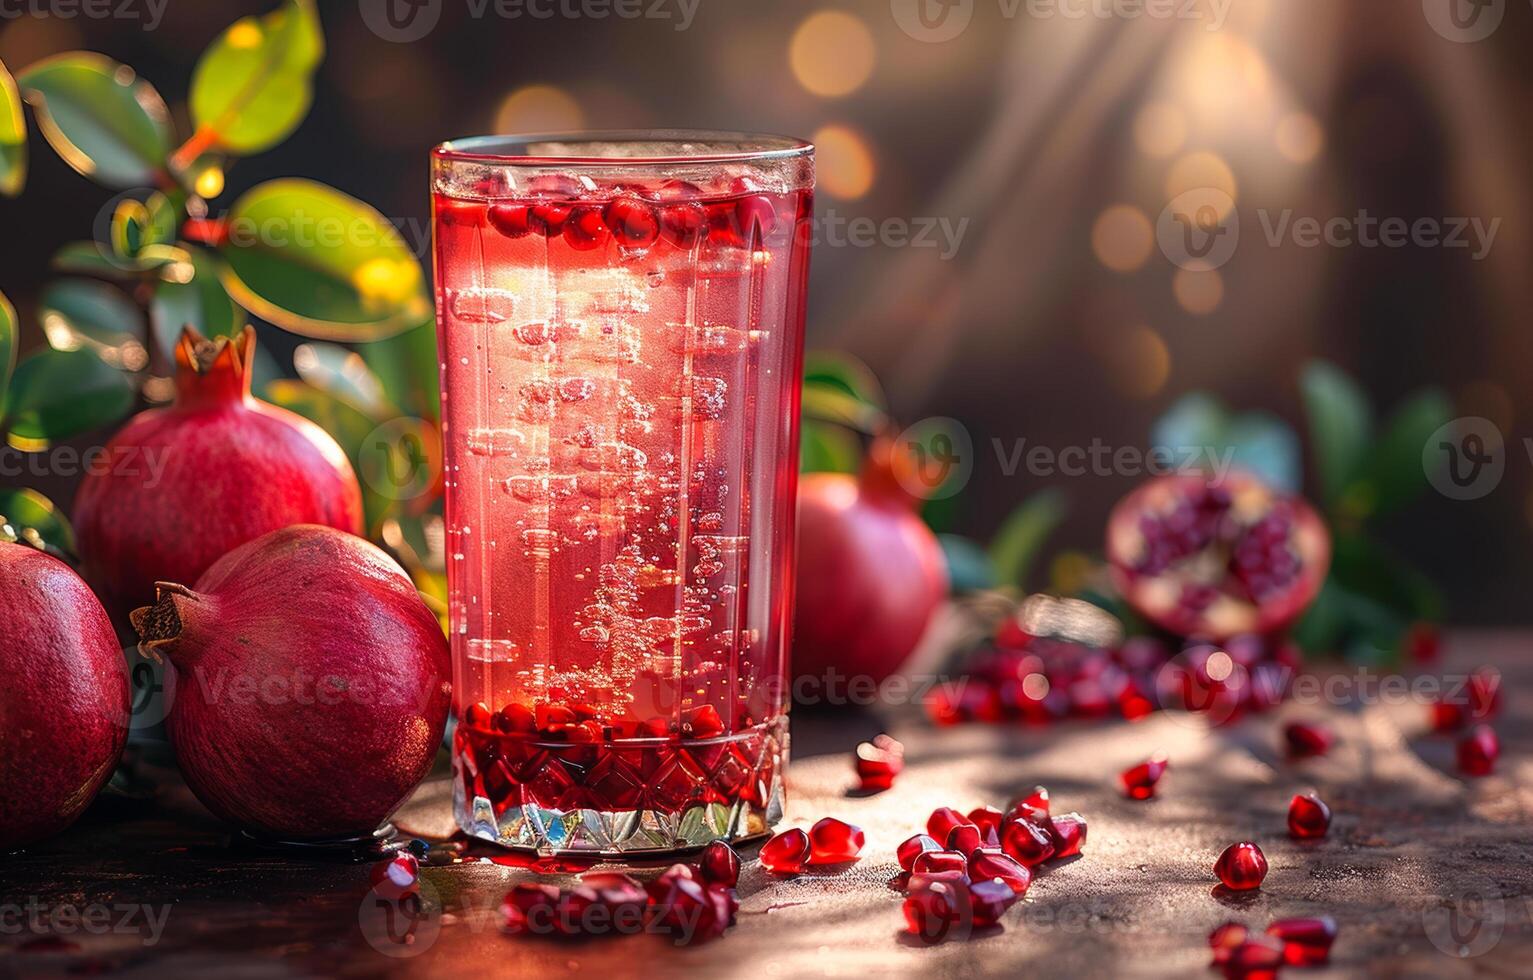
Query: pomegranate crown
213,370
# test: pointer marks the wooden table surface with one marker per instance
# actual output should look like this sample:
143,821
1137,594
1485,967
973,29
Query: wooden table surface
1428,874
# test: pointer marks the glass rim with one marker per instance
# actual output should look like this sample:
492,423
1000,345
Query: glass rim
498,150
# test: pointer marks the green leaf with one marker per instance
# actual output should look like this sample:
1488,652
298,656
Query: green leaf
343,374
827,403
349,426
827,449
13,137
104,120
90,259
969,568
845,373
82,314
1340,425
252,87
1197,419
1266,445
195,295
1017,544
1395,471
319,263
58,394
407,364
27,510
137,225
1262,444
7,344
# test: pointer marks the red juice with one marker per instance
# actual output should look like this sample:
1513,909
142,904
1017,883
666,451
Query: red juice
620,325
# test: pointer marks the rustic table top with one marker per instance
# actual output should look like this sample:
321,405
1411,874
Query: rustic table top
1427,874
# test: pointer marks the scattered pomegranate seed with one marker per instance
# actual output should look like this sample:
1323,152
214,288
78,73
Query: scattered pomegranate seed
691,911
1224,939
1241,867
878,762
1038,799
964,839
940,861
530,907
989,900
1308,817
787,853
1258,958
511,220
913,848
1448,717
1068,832
1484,689
1027,842
658,886
921,879
1478,751
987,863
833,841
1139,781
633,223
396,877
616,891
1422,643
942,821
931,911
1306,740
1306,942
988,820
719,864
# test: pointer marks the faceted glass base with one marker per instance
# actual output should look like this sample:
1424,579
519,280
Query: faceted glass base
620,798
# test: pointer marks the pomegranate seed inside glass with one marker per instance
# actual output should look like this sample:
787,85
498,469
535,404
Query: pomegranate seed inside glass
621,322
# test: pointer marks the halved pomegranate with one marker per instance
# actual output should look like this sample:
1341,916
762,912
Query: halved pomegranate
1216,559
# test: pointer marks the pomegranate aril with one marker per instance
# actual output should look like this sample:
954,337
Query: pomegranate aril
683,225
617,891
586,229
989,900
1478,751
397,877
1448,717
460,213
633,223
913,848
703,722
940,861
1037,800
755,218
1306,740
1484,688
1139,781
878,762
553,719
511,220
515,719
933,910
1068,832
1241,867
787,853
719,864
1258,958
833,841
530,907
689,910
548,219
988,863
477,715
988,820
1308,817
1306,942
964,839
942,821
1027,842
1224,939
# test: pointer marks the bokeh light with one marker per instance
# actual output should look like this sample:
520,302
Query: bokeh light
1198,291
844,165
1122,238
1203,170
832,53
1299,137
539,109
1137,361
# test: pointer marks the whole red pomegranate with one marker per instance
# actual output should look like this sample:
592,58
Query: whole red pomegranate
870,573
1217,558
310,683
185,484
64,702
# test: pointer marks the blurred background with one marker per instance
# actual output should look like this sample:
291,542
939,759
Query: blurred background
1029,151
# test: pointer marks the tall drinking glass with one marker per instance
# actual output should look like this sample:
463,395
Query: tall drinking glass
621,327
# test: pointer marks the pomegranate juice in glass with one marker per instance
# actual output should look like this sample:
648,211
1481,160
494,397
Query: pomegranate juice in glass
621,323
